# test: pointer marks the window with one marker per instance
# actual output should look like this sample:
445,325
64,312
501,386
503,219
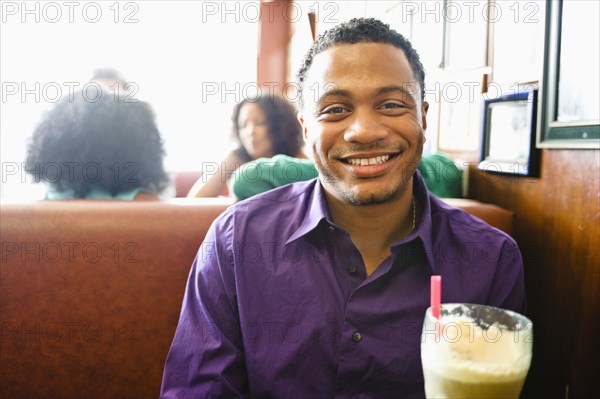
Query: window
192,61
570,95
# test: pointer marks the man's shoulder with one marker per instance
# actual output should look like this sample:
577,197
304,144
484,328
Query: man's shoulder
273,216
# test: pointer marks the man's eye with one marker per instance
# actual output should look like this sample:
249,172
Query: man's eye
334,110
392,105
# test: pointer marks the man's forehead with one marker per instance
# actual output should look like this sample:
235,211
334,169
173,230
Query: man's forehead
372,66
354,52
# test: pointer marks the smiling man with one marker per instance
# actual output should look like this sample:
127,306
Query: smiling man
366,135
318,289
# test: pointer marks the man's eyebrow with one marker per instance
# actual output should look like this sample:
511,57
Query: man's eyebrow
335,93
396,88
380,91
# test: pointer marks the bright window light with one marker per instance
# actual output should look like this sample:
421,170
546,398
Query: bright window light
191,60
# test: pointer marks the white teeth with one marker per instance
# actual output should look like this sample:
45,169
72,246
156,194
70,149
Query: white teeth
368,161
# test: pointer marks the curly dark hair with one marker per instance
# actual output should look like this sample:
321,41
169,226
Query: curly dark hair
109,142
284,130
361,30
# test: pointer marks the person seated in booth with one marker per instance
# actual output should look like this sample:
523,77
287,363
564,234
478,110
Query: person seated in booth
262,127
104,147
442,176
318,289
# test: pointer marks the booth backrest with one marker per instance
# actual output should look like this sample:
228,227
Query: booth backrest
494,215
184,181
90,292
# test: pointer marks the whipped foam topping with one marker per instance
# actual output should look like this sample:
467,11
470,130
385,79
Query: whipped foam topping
464,351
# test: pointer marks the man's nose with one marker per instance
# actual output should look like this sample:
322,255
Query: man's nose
365,128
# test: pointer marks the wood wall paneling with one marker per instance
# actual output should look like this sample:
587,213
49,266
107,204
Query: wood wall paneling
557,226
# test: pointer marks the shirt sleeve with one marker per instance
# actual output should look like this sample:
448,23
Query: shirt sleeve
508,290
206,359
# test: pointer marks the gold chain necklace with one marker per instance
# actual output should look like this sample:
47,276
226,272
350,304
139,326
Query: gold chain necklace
414,206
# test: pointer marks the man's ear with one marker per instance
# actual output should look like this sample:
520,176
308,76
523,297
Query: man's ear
304,131
424,109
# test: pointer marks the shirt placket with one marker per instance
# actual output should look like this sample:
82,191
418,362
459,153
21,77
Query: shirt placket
354,338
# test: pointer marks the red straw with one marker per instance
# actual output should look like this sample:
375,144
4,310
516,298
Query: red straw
436,295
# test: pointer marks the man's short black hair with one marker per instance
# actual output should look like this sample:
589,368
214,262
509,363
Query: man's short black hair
362,30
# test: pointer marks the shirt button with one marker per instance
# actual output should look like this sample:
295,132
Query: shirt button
352,268
356,337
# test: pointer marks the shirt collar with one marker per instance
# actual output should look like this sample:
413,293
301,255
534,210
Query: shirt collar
317,210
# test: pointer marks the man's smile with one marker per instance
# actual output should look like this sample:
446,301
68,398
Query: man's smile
369,165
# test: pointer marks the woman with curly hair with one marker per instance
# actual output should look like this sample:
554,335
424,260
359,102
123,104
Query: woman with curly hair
107,147
262,127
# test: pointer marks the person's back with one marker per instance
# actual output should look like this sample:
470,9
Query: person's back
106,147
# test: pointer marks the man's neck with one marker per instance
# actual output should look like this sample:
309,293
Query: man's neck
374,228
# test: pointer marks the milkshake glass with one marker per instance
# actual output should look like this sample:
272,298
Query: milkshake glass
475,351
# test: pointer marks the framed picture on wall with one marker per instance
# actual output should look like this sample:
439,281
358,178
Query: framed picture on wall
459,107
570,97
509,134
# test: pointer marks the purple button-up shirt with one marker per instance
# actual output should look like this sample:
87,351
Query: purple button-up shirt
278,304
